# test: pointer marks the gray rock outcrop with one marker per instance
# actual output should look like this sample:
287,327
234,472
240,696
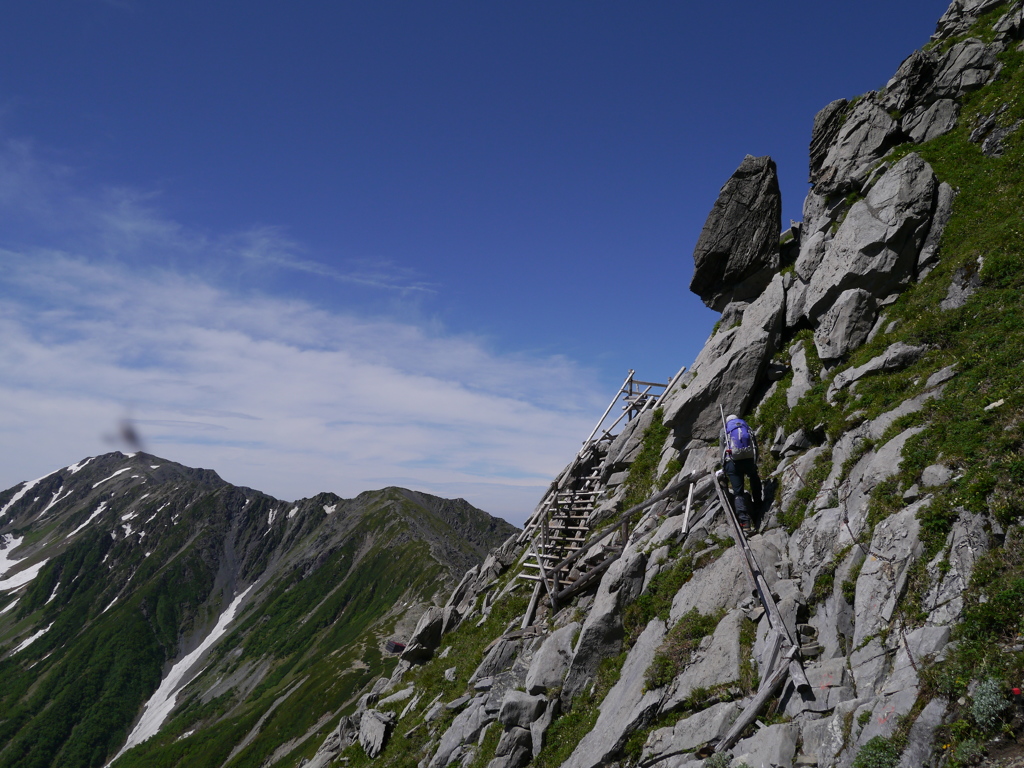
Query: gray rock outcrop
960,16
551,661
951,573
626,705
690,733
913,83
927,123
514,749
602,633
736,254
374,729
772,747
877,245
520,709
929,256
846,325
896,357
826,127
867,133
426,637
802,377
344,735
716,662
729,368
921,739
894,547
965,283
465,728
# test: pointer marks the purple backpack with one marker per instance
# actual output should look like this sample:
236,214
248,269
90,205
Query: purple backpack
739,439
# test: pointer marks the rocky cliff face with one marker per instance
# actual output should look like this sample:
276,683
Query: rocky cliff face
877,349
145,604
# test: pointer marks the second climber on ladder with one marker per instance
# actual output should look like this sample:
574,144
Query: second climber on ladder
739,460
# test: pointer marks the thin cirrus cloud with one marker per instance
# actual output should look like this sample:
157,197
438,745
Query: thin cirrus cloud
274,393
267,246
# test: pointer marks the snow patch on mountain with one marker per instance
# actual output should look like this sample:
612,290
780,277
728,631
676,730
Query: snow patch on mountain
99,509
74,468
101,482
162,701
18,496
29,640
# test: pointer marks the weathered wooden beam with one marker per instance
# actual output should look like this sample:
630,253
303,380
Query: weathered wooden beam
773,644
625,383
765,692
586,579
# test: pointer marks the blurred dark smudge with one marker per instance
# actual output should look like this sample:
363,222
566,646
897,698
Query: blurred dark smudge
127,436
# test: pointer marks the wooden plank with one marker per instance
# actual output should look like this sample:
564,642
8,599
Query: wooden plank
534,577
689,503
758,584
773,644
748,715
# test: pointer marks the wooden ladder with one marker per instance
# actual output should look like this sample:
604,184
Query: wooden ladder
560,527
562,532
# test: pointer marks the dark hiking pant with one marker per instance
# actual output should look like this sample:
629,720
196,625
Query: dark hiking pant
736,470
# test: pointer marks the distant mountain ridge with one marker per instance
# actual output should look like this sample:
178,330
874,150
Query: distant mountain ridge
115,568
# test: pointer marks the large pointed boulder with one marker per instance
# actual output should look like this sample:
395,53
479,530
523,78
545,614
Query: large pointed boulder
737,252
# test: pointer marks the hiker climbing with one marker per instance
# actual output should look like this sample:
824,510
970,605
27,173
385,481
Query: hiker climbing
739,460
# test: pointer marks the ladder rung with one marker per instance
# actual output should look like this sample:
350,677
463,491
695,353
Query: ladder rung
532,577
535,564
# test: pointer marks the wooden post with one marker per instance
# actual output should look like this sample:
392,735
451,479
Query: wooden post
528,617
689,503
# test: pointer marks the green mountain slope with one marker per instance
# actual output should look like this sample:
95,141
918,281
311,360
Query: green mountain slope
135,559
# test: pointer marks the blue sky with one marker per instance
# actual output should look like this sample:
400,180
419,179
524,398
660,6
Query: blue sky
336,246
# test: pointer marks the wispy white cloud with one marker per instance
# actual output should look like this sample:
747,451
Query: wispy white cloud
50,200
269,246
275,393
